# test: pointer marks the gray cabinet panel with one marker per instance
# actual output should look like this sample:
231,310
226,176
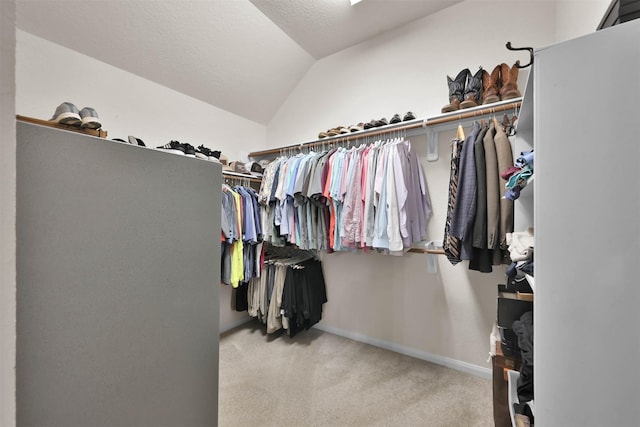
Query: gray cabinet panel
587,205
118,271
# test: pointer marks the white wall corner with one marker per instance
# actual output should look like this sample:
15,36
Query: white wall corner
578,18
234,324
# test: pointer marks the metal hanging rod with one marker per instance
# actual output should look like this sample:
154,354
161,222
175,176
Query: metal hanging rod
511,104
240,177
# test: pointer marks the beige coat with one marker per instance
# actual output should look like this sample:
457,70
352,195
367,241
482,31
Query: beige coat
505,161
493,188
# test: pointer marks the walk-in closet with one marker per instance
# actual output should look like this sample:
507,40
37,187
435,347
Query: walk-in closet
345,213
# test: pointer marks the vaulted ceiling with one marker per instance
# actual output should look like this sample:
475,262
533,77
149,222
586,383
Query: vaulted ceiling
244,56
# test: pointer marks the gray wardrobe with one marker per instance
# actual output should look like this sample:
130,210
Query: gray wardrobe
587,229
118,268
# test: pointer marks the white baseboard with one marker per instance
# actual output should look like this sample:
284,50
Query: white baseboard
458,365
235,324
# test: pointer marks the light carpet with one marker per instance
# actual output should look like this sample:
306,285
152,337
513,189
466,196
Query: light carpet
321,379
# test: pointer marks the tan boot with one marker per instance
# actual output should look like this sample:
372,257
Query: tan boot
509,78
491,83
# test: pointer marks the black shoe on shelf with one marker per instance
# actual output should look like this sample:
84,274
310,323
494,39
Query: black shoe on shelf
205,153
202,153
409,116
174,147
382,122
189,150
395,119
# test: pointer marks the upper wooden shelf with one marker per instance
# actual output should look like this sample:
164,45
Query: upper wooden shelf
93,132
240,176
427,251
417,125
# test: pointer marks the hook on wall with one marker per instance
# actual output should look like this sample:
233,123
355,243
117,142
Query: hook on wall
530,49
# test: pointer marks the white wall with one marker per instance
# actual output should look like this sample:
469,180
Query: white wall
406,69
393,300
578,17
48,74
7,215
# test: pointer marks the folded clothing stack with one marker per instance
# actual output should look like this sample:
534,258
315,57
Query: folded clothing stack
517,176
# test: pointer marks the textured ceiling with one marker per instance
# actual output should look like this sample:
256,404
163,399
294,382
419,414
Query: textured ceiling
239,55
323,27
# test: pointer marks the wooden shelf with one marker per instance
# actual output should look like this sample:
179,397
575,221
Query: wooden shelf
475,112
427,251
391,128
93,132
415,126
240,176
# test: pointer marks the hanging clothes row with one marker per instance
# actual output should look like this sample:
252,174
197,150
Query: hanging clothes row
288,295
347,199
478,214
241,237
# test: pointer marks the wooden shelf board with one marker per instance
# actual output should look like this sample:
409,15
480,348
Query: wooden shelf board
93,132
427,251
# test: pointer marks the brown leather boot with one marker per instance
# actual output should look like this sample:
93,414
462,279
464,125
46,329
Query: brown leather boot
509,78
490,84
456,90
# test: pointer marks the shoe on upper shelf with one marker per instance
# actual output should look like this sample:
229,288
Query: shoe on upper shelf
174,147
255,169
509,81
205,153
473,90
409,116
189,150
456,91
239,167
395,119
67,114
136,141
90,118
490,85
382,122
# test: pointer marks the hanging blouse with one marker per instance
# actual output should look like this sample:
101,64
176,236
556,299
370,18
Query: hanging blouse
365,197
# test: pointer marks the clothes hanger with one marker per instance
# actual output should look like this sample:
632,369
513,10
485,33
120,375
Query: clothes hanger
495,120
506,121
460,131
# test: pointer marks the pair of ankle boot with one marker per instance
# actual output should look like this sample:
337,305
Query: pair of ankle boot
470,90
